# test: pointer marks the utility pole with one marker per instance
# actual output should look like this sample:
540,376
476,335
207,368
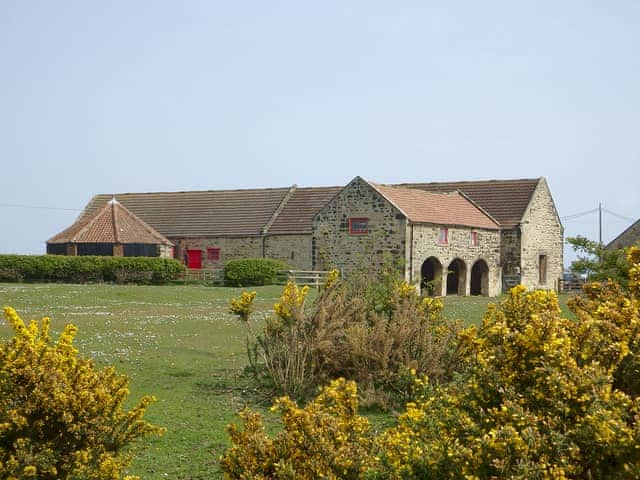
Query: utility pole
600,231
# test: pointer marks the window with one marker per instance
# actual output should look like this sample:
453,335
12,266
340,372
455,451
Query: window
542,269
443,236
358,226
213,254
473,239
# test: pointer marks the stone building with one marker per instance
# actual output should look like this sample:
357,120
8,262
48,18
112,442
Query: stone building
111,230
453,238
628,238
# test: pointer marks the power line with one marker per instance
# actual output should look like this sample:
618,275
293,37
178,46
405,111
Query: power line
578,215
11,205
617,215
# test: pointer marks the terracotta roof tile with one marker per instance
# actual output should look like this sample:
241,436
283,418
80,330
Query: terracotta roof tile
111,224
505,200
438,208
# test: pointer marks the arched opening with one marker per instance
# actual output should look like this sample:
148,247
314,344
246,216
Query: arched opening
431,281
456,277
480,278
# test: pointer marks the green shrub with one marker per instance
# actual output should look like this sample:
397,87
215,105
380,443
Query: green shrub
245,272
82,269
540,397
60,417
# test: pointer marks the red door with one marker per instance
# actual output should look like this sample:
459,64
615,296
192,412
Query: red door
194,258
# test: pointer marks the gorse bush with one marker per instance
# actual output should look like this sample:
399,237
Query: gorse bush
372,330
82,269
325,439
246,272
60,418
538,396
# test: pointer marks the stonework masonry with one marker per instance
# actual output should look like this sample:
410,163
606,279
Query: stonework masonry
334,245
426,245
542,237
294,250
230,248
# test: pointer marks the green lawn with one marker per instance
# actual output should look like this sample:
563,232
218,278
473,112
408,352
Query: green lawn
178,343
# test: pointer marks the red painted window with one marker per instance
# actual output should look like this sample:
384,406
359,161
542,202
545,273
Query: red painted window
194,258
213,254
443,236
358,226
473,239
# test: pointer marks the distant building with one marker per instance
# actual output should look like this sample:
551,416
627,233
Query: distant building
628,238
110,231
478,237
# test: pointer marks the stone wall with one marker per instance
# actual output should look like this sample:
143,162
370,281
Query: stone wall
425,245
230,248
335,247
542,236
294,250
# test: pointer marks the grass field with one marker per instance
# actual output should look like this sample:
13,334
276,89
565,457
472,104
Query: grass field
178,343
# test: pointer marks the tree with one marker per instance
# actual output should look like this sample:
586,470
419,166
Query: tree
598,263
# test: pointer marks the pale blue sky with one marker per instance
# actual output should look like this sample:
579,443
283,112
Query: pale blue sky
120,96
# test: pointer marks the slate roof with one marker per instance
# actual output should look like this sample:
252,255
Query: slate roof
113,223
439,208
505,200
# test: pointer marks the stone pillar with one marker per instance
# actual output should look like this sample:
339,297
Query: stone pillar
118,250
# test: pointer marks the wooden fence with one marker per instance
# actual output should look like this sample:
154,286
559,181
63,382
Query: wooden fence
314,278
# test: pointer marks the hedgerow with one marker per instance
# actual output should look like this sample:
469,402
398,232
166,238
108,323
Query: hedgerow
82,269
60,417
246,272
538,396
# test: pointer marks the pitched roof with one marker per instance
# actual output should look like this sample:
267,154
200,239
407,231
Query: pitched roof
440,208
631,236
111,224
202,213
505,200
297,214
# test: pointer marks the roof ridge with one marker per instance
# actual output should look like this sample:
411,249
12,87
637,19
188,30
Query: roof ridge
150,230
279,208
86,226
475,204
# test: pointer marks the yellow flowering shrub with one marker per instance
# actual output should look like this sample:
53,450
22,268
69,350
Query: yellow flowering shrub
243,305
373,331
325,439
59,416
291,302
539,396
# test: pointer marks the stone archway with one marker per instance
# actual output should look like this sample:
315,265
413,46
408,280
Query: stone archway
456,278
431,277
480,278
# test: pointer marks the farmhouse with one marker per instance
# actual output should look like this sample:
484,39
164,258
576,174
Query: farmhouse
628,238
464,238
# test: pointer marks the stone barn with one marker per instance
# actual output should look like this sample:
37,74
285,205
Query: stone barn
463,238
110,231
